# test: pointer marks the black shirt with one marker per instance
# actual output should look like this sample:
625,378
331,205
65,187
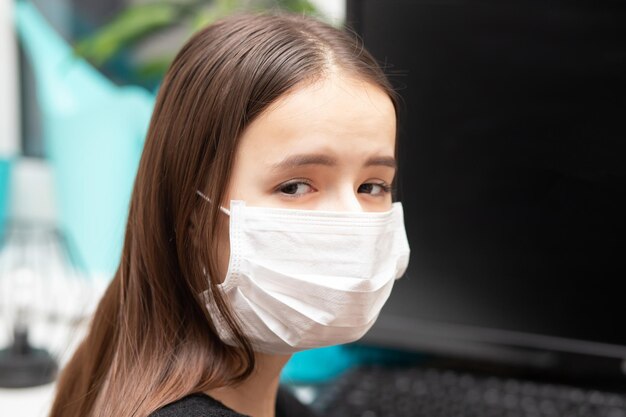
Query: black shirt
201,405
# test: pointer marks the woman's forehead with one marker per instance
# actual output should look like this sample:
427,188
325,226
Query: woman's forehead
335,114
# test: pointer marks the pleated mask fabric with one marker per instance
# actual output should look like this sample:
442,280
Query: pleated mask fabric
301,279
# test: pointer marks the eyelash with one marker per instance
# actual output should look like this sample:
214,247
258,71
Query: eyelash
386,188
289,183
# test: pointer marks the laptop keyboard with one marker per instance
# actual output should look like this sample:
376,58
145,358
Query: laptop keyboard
377,391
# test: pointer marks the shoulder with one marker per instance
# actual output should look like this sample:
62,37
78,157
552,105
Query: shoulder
201,405
195,405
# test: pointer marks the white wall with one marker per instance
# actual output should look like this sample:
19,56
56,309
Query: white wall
335,10
9,85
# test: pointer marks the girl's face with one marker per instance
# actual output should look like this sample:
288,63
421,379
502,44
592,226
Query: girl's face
324,146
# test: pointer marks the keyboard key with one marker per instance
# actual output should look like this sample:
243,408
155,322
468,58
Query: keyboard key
413,392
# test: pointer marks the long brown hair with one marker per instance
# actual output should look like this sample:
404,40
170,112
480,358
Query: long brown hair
151,339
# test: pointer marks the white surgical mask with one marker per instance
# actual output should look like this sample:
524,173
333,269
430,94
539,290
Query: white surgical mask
300,279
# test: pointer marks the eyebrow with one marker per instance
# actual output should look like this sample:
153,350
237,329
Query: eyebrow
387,161
295,161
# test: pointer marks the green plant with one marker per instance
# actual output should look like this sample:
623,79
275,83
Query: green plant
138,23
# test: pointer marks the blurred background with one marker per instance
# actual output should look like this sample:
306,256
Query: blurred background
78,80
512,180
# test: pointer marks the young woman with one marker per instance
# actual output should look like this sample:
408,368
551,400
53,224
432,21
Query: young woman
261,223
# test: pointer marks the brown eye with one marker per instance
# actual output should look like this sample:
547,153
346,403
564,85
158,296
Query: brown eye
295,188
373,189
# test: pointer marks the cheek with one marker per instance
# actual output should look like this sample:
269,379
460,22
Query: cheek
249,187
243,184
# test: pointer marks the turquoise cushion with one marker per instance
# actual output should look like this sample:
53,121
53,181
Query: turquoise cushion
5,192
93,132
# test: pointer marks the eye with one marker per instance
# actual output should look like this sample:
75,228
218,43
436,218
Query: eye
374,189
295,188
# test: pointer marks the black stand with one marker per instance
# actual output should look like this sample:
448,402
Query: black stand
22,365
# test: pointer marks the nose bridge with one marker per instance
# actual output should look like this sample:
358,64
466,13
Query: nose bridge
347,199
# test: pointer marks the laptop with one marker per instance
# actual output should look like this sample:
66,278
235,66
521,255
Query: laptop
512,148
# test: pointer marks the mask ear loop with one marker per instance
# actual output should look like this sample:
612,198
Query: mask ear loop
225,211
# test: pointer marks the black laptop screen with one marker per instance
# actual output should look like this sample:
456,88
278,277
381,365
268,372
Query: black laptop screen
513,167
